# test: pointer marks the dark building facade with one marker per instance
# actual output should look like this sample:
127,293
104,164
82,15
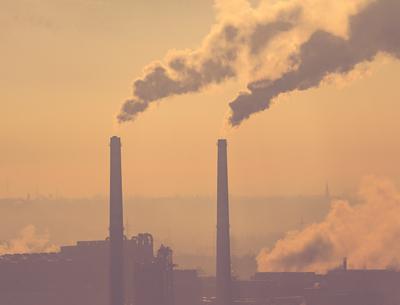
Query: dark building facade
79,275
337,287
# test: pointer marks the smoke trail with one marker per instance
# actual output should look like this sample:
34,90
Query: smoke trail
254,44
28,241
373,30
186,71
239,32
368,233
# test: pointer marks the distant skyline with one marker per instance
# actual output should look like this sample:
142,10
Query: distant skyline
68,65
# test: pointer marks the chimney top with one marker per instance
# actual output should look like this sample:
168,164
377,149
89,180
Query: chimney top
222,142
115,140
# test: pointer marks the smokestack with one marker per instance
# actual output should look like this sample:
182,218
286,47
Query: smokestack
345,264
223,238
116,224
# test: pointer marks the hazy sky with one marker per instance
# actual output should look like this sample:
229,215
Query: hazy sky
67,65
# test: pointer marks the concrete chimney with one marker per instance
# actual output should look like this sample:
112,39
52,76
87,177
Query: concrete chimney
223,278
116,224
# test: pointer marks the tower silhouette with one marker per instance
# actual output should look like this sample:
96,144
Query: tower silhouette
116,225
223,276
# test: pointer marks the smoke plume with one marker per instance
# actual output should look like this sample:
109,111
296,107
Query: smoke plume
368,233
246,42
373,30
27,241
277,47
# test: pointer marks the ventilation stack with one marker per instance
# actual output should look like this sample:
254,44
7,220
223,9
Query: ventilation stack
116,225
223,276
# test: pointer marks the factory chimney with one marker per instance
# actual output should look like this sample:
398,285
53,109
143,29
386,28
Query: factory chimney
223,239
116,224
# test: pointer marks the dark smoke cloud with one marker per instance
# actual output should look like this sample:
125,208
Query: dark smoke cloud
191,71
186,72
265,32
374,30
284,51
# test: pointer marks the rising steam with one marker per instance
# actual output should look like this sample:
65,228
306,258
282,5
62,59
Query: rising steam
368,233
28,241
278,48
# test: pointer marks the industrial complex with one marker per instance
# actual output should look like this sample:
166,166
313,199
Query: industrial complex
127,270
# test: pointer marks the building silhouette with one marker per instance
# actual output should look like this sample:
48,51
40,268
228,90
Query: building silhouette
122,270
114,271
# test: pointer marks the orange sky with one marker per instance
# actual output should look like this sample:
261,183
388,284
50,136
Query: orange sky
66,67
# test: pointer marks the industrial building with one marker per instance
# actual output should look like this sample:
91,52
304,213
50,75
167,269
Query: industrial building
79,274
122,270
115,271
337,287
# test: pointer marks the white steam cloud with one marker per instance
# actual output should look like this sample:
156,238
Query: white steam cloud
28,241
368,233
